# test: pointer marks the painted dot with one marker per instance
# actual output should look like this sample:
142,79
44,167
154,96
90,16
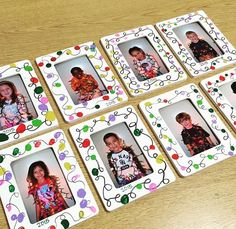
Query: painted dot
97,106
81,193
95,172
211,110
11,188
124,199
107,68
50,116
62,156
13,217
137,132
199,102
112,92
222,78
57,84
57,134
48,65
168,148
21,217
49,76
139,186
93,157
105,97
86,143
159,125
85,128
102,118
159,159
151,116
215,89
196,166
81,214
223,130
43,107
34,80
175,156
28,147
212,68
44,100
28,68
65,223
210,156
53,58
71,117
109,88
62,98
112,118
152,187
52,227
21,128
52,141
230,153
8,176
59,53
40,64
38,90
77,47
37,144
16,151
232,148
79,114
83,204
151,147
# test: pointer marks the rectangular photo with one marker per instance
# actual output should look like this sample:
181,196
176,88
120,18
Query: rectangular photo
192,134
80,81
142,60
24,107
42,185
121,154
221,89
121,157
198,43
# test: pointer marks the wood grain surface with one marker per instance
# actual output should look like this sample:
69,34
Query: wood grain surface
31,28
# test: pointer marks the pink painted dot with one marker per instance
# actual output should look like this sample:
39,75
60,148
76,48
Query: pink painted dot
71,118
152,187
183,168
120,92
44,100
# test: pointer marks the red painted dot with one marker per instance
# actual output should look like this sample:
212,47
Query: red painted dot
105,97
209,91
212,68
165,100
167,53
52,141
109,88
152,147
209,83
107,68
222,78
86,143
175,156
163,30
234,122
40,64
53,59
52,227
37,144
219,104
34,80
21,128
231,73
77,47
79,114
180,44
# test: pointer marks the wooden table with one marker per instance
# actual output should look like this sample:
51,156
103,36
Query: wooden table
29,29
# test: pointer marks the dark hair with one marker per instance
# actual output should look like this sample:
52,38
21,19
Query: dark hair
233,87
182,116
108,135
14,91
135,48
189,32
74,69
30,176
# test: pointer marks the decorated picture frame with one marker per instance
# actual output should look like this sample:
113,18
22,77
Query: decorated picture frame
198,43
24,107
93,91
54,193
157,67
190,131
121,176
221,89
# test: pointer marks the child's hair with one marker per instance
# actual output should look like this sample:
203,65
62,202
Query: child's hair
30,176
13,88
182,116
74,69
233,87
108,135
189,32
135,48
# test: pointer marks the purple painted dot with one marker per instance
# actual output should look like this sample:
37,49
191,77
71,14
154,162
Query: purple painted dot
168,148
8,176
85,104
214,121
62,156
0,74
21,217
71,118
120,92
49,76
43,107
44,100
138,85
57,134
83,204
100,58
62,98
182,93
231,153
13,217
112,118
81,193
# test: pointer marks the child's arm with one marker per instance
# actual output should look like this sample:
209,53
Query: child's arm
37,212
210,141
155,66
190,149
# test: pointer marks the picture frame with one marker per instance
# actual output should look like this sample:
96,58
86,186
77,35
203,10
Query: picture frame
208,50
25,109
75,99
62,200
163,115
89,138
161,67
219,88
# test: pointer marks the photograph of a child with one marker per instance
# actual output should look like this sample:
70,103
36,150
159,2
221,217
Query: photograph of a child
81,80
198,42
15,104
143,59
42,185
229,92
189,128
124,160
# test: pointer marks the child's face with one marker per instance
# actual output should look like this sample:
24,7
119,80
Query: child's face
113,144
139,55
5,91
187,123
193,37
39,173
77,73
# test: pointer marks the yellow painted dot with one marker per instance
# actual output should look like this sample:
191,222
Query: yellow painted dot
91,56
119,99
97,67
68,107
68,52
2,171
165,136
62,146
102,118
102,75
13,65
67,166
147,104
81,214
159,159
50,116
